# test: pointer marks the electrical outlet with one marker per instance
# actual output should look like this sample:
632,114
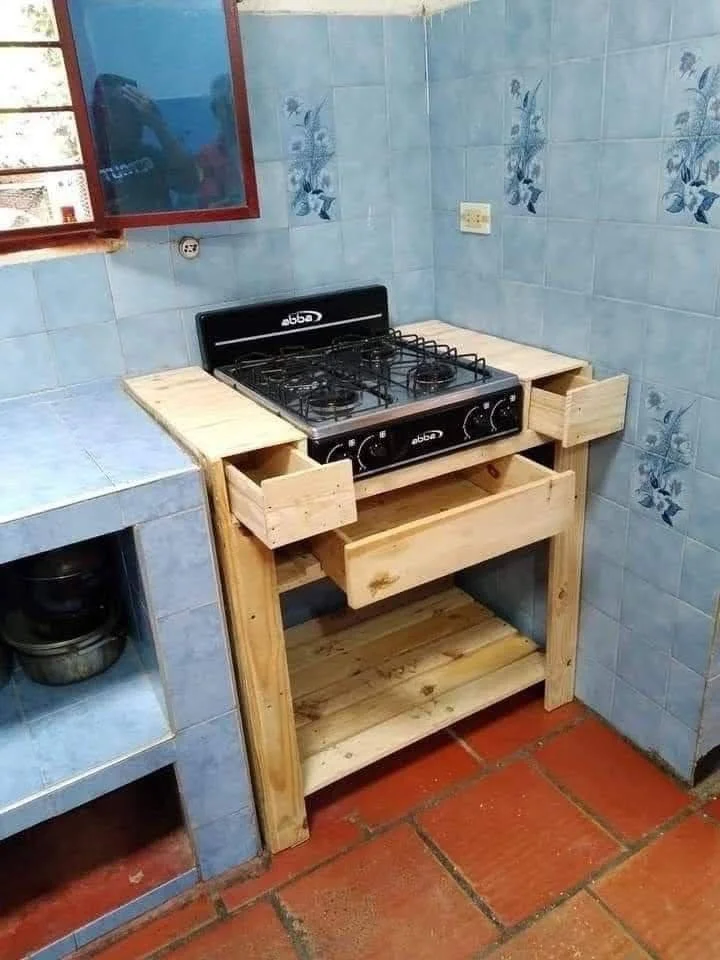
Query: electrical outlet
475,218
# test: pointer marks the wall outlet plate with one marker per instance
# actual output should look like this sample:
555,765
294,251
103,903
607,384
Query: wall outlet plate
475,218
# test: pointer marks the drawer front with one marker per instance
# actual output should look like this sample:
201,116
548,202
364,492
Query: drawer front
406,555
285,496
575,409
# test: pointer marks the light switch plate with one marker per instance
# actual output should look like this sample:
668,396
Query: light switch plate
475,218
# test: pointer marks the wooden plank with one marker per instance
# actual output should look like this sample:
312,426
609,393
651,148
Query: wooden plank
596,410
347,756
295,567
566,555
250,584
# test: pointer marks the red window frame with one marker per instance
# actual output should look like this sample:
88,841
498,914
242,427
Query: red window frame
109,226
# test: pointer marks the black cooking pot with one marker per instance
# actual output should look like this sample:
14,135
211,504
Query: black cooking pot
68,588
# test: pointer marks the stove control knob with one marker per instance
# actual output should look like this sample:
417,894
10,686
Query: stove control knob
338,452
374,451
477,422
503,416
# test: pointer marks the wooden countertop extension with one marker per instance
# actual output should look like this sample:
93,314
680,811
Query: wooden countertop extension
213,421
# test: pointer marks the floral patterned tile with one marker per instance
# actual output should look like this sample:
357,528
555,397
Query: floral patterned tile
525,145
310,151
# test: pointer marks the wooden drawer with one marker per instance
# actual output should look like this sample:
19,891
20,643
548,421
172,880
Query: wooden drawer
574,408
283,496
412,536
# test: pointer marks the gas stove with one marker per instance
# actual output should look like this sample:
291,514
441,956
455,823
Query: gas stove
332,365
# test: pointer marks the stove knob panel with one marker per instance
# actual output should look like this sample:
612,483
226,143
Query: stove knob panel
503,416
477,423
338,452
375,451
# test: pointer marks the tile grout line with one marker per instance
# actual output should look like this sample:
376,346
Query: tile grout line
293,927
626,928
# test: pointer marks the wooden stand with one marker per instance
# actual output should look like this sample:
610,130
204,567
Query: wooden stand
416,654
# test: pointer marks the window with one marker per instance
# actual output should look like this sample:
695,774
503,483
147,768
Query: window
116,113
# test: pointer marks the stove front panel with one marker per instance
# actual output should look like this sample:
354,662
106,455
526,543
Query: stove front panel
430,434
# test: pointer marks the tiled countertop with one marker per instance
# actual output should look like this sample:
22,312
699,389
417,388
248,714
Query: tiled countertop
83,462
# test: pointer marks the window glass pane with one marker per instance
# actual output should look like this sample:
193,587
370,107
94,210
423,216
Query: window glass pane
43,200
38,140
33,78
156,76
27,20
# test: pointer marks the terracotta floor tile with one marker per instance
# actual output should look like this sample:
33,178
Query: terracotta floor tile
161,932
518,840
669,892
252,934
713,808
330,832
578,930
393,787
514,724
388,899
616,781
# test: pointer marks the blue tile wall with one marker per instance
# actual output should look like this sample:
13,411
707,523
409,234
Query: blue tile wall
608,250
78,319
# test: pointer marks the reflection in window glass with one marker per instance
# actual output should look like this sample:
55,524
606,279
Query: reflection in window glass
44,200
27,20
157,81
38,140
33,78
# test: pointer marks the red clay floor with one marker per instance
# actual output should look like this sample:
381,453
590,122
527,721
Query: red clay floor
519,835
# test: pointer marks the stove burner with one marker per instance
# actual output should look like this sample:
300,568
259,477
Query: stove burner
431,375
378,352
333,401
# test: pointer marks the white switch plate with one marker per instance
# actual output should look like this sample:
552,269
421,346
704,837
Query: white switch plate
475,218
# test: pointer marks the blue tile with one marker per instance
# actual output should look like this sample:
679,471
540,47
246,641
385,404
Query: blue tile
55,951
484,36
449,113
524,243
599,636
611,463
645,22
409,120
141,279
265,123
135,908
633,105
708,455
21,305
636,716
606,528
484,176
566,323
27,365
410,181
684,270
213,275
643,666
317,255
364,187
573,180
623,256
656,403
152,342
361,122
693,631
527,37
148,501
602,583
368,248
464,252
357,51
684,694
413,296
212,769
228,842
595,686
704,523
711,387
695,18
78,521
654,552
273,193
676,745
87,353
579,28
21,774
484,95
448,178
628,180
179,562
445,45
618,334
263,263
74,291
570,254
677,347
412,242
648,611
404,49
523,312
700,577
710,723
271,45
576,100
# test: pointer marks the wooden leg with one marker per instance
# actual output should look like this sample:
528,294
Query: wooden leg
566,553
251,593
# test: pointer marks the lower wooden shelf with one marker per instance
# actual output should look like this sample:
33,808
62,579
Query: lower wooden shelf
367,683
